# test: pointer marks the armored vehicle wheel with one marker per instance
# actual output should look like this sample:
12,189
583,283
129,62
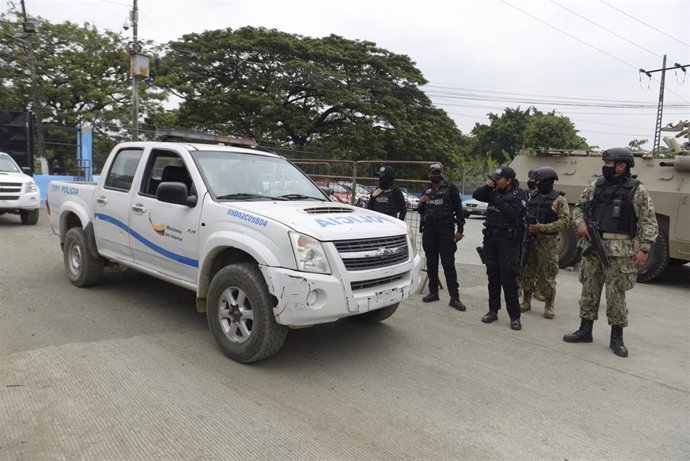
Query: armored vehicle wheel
376,316
656,261
568,252
240,314
83,269
28,216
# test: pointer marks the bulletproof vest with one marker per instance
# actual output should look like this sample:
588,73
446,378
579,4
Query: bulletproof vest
540,206
438,209
384,203
612,206
507,210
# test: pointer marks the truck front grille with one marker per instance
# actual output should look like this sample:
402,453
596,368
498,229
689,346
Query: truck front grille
364,254
10,188
9,197
375,283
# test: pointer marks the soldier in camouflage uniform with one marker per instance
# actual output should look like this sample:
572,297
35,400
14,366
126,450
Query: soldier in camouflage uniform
549,211
624,212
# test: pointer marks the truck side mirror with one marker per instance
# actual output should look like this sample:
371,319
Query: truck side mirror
175,192
27,170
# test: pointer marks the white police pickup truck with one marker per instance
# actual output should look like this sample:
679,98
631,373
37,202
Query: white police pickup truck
19,193
258,242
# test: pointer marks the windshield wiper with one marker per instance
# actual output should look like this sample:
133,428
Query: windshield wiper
245,196
302,197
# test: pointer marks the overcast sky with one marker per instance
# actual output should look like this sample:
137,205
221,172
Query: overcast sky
580,58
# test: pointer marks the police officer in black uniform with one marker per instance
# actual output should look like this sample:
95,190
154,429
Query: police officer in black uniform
387,199
441,210
503,236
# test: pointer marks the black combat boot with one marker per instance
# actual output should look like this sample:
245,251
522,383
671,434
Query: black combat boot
455,303
433,296
583,335
490,316
617,341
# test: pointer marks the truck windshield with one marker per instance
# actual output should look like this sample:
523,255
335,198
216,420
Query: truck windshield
7,164
236,176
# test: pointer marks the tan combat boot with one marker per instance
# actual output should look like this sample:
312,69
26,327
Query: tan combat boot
526,300
538,296
548,309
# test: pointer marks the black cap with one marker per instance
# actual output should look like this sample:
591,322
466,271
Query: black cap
435,167
385,171
503,172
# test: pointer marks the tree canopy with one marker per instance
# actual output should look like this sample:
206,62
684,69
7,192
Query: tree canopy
347,96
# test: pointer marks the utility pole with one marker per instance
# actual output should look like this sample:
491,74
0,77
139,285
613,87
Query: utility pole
660,107
30,27
134,48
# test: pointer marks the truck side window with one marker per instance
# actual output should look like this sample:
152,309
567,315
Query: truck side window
123,168
164,166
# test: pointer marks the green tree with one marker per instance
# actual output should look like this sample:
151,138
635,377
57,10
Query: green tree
83,78
347,97
504,136
636,145
552,131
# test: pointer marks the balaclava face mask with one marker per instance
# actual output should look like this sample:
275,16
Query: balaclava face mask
386,180
545,187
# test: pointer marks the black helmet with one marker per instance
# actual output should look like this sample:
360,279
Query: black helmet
619,154
435,167
544,173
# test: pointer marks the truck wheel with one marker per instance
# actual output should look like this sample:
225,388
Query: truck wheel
240,314
656,261
28,216
568,253
82,268
371,317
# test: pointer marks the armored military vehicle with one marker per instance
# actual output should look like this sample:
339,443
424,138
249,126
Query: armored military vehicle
668,182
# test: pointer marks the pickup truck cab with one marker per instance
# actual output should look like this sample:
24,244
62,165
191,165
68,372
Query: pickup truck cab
19,193
260,244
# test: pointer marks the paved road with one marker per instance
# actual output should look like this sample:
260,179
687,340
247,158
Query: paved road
128,370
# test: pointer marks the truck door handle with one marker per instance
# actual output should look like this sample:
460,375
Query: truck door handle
101,200
138,209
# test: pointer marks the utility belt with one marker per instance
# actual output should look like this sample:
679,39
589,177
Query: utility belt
615,236
512,233
545,235
440,220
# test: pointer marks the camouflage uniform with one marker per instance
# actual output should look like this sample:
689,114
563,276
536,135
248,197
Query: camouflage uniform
621,274
539,274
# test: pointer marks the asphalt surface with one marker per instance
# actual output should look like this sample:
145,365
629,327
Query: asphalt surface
127,370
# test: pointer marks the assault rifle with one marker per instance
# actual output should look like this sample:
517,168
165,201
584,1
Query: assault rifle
595,242
527,243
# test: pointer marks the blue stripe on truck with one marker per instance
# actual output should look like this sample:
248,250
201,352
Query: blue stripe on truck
148,243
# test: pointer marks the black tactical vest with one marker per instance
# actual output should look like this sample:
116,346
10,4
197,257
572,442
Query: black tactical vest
612,206
384,203
507,211
540,206
438,209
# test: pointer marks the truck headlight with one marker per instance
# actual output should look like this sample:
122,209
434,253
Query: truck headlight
30,186
309,254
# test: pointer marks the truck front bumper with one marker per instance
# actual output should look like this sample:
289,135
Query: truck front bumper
30,201
306,299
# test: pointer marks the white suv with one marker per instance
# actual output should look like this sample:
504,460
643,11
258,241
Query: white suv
19,193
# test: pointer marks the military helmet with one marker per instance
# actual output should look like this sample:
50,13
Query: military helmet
435,167
619,154
385,171
544,173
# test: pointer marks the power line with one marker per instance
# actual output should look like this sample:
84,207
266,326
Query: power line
604,28
642,22
569,35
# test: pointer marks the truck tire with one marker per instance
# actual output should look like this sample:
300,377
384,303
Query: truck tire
656,261
568,252
83,269
28,216
371,317
240,314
